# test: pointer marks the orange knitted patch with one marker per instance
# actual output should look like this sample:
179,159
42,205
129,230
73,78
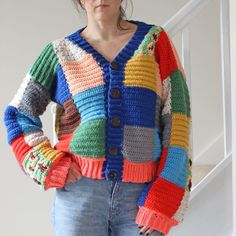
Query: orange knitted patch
83,74
20,148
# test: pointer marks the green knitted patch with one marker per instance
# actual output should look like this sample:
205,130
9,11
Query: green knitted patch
36,165
89,139
179,93
149,41
44,67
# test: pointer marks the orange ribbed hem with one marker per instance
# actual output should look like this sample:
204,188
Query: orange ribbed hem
154,220
90,167
57,174
139,172
132,172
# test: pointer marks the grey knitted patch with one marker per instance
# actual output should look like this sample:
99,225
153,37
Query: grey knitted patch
139,143
167,124
35,99
158,113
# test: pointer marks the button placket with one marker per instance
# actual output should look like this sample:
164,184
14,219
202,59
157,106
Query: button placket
114,113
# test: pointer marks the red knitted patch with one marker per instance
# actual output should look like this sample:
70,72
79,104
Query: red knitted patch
165,197
165,56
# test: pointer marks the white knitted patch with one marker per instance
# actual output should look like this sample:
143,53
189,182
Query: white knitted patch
67,50
166,96
18,96
35,138
180,213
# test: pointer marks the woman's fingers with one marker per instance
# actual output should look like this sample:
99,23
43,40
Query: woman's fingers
143,229
146,230
149,231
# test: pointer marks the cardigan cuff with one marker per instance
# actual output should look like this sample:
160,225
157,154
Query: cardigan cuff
154,220
57,174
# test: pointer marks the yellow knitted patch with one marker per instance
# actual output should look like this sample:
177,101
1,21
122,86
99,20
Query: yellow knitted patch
180,130
141,71
59,110
47,151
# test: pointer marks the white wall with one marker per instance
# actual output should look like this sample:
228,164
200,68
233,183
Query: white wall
233,89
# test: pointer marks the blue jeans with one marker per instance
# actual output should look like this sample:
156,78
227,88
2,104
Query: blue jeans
95,207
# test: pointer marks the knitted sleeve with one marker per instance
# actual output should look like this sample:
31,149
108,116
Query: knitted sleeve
47,166
164,201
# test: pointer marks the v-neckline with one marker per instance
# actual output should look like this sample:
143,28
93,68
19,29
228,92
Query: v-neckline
128,45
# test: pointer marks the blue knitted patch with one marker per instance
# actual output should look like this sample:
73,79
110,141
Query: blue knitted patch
176,166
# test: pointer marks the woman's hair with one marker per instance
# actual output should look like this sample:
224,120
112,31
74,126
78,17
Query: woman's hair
122,15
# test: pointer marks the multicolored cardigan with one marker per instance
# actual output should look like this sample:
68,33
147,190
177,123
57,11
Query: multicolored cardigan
122,120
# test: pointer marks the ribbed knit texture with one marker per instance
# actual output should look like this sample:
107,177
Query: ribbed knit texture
122,120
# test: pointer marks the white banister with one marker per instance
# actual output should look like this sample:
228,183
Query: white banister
181,19
210,176
225,69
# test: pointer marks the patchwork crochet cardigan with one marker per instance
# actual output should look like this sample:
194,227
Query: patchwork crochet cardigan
122,120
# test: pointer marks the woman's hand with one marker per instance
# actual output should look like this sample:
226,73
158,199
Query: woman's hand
147,230
73,174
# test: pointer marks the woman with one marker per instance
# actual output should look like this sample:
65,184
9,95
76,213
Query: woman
121,164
